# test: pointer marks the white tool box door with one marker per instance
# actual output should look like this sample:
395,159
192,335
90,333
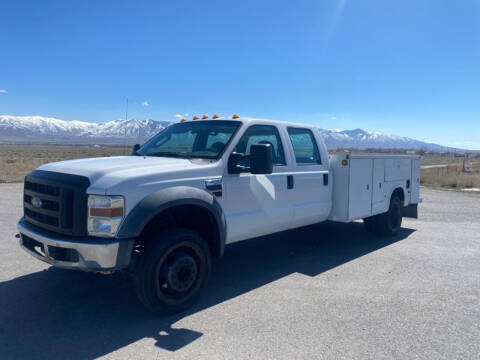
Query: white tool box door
415,185
378,180
360,188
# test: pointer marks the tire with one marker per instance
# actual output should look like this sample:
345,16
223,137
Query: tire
389,223
172,271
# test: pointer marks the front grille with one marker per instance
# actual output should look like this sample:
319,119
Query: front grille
42,188
56,202
46,204
44,219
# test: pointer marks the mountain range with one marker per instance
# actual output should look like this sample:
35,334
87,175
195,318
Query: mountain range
39,129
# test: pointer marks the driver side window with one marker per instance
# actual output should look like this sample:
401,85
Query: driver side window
261,134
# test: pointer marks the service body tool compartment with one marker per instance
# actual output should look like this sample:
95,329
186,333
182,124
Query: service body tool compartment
360,188
363,184
415,194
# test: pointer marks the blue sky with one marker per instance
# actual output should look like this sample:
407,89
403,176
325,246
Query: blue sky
408,67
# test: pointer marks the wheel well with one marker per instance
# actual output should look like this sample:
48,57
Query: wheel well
398,193
192,217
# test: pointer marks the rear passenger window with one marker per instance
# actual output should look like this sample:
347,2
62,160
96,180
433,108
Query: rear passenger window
304,146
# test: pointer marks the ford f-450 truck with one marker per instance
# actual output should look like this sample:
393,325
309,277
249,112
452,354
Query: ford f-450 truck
172,206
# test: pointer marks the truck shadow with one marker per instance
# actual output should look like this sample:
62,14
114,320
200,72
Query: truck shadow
63,314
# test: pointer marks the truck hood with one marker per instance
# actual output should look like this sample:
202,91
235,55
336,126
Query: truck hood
108,172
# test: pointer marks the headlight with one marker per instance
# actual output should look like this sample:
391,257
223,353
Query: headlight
105,214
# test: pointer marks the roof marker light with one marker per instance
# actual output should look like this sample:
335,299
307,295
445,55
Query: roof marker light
205,117
215,116
196,117
235,116
183,120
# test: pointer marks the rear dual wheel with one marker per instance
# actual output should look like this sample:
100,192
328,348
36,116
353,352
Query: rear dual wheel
388,223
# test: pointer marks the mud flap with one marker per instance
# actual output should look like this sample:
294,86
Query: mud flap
410,211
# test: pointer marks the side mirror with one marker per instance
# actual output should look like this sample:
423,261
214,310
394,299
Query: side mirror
261,159
135,149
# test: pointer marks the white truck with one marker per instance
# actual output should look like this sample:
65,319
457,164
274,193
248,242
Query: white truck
171,207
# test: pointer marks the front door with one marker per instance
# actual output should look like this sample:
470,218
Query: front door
256,205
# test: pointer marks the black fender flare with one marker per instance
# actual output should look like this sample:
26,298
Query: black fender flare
153,204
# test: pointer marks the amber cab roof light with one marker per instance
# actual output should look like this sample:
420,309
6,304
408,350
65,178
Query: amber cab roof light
235,116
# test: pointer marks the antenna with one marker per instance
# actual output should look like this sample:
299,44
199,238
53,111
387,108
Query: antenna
125,135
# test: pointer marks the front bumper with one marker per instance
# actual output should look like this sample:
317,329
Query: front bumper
88,254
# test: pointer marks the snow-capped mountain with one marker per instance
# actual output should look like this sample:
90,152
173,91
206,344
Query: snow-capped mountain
38,129
361,139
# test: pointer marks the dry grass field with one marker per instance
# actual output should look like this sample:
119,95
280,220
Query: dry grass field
18,160
451,176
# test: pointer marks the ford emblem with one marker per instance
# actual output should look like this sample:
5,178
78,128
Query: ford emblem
36,202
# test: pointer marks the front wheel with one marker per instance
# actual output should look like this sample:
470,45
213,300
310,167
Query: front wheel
172,271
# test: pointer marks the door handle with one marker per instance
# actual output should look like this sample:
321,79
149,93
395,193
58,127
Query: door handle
289,181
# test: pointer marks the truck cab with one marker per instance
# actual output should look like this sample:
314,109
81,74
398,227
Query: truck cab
172,206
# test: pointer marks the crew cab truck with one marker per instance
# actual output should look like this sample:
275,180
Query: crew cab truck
167,210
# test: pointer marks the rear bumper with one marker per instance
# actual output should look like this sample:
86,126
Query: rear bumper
88,254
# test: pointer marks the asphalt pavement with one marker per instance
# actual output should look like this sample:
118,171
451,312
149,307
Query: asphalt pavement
327,291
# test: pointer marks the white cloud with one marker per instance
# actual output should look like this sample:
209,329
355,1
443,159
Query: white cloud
146,104
3,91
334,21
179,116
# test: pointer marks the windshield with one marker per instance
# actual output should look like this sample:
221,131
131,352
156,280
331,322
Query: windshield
202,139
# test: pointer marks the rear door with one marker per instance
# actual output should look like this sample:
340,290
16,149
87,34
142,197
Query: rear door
310,192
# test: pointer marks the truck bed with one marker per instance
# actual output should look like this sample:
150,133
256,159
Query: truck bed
363,184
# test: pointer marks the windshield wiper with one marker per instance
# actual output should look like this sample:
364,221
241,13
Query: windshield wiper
172,154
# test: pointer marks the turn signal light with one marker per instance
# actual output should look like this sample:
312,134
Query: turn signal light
196,117
344,162
235,116
205,117
215,116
